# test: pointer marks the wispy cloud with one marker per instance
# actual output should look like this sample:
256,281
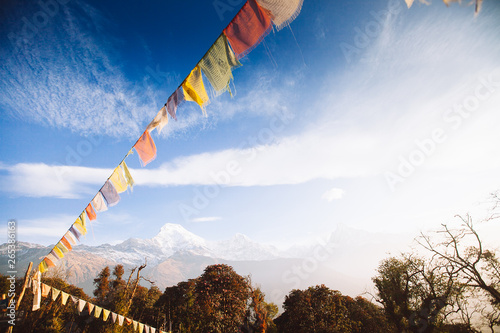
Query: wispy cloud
206,219
333,194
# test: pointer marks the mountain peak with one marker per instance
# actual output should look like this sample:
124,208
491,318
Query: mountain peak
173,235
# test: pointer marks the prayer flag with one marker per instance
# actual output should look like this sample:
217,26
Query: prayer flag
74,232
41,268
128,321
134,324
105,314
113,316
120,320
174,101
218,63
248,28
194,89
282,12
45,290
97,311
61,247
128,176
74,299
64,297
153,330
146,328
37,292
159,121
118,180
146,148
81,305
109,193
141,327
91,307
90,212
49,262
55,293
99,203
70,237
83,218
80,226
57,252
66,243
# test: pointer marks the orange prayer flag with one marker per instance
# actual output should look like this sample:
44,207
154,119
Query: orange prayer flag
146,148
90,212
49,262
66,243
248,28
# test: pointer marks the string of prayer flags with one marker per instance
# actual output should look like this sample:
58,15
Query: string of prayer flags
118,180
194,89
174,101
64,297
248,28
90,212
282,12
146,148
218,63
128,176
159,121
99,203
110,194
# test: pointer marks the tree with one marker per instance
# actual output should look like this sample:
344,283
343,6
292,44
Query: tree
475,266
102,285
414,292
260,314
222,295
320,309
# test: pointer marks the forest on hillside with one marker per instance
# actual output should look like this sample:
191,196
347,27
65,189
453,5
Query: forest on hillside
451,283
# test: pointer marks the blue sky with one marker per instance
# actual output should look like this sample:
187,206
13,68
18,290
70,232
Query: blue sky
363,113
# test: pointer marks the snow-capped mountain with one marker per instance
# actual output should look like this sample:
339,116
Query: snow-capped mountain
173,238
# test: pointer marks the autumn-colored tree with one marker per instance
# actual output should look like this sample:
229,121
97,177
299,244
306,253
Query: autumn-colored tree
102,285
222,295
260,314
316,309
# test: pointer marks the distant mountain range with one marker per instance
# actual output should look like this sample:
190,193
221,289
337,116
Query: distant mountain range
345,260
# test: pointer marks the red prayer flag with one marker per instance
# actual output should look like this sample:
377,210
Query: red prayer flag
248,28
146,148
90,212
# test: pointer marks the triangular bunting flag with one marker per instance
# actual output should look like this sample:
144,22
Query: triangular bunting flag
45,290
120,320
99,203
74,299
97,311
81,305
105,314
91,307
128,321
153,330
110,194
55,293
64,298
118,180
90,212
146,328
248,28
114,316
134,324
146,148
141,327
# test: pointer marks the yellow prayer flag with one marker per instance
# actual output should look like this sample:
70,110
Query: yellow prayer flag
61,247
58,252
194,89
64,297
42,268
97,311
55,293
79,226
128,176
118,180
